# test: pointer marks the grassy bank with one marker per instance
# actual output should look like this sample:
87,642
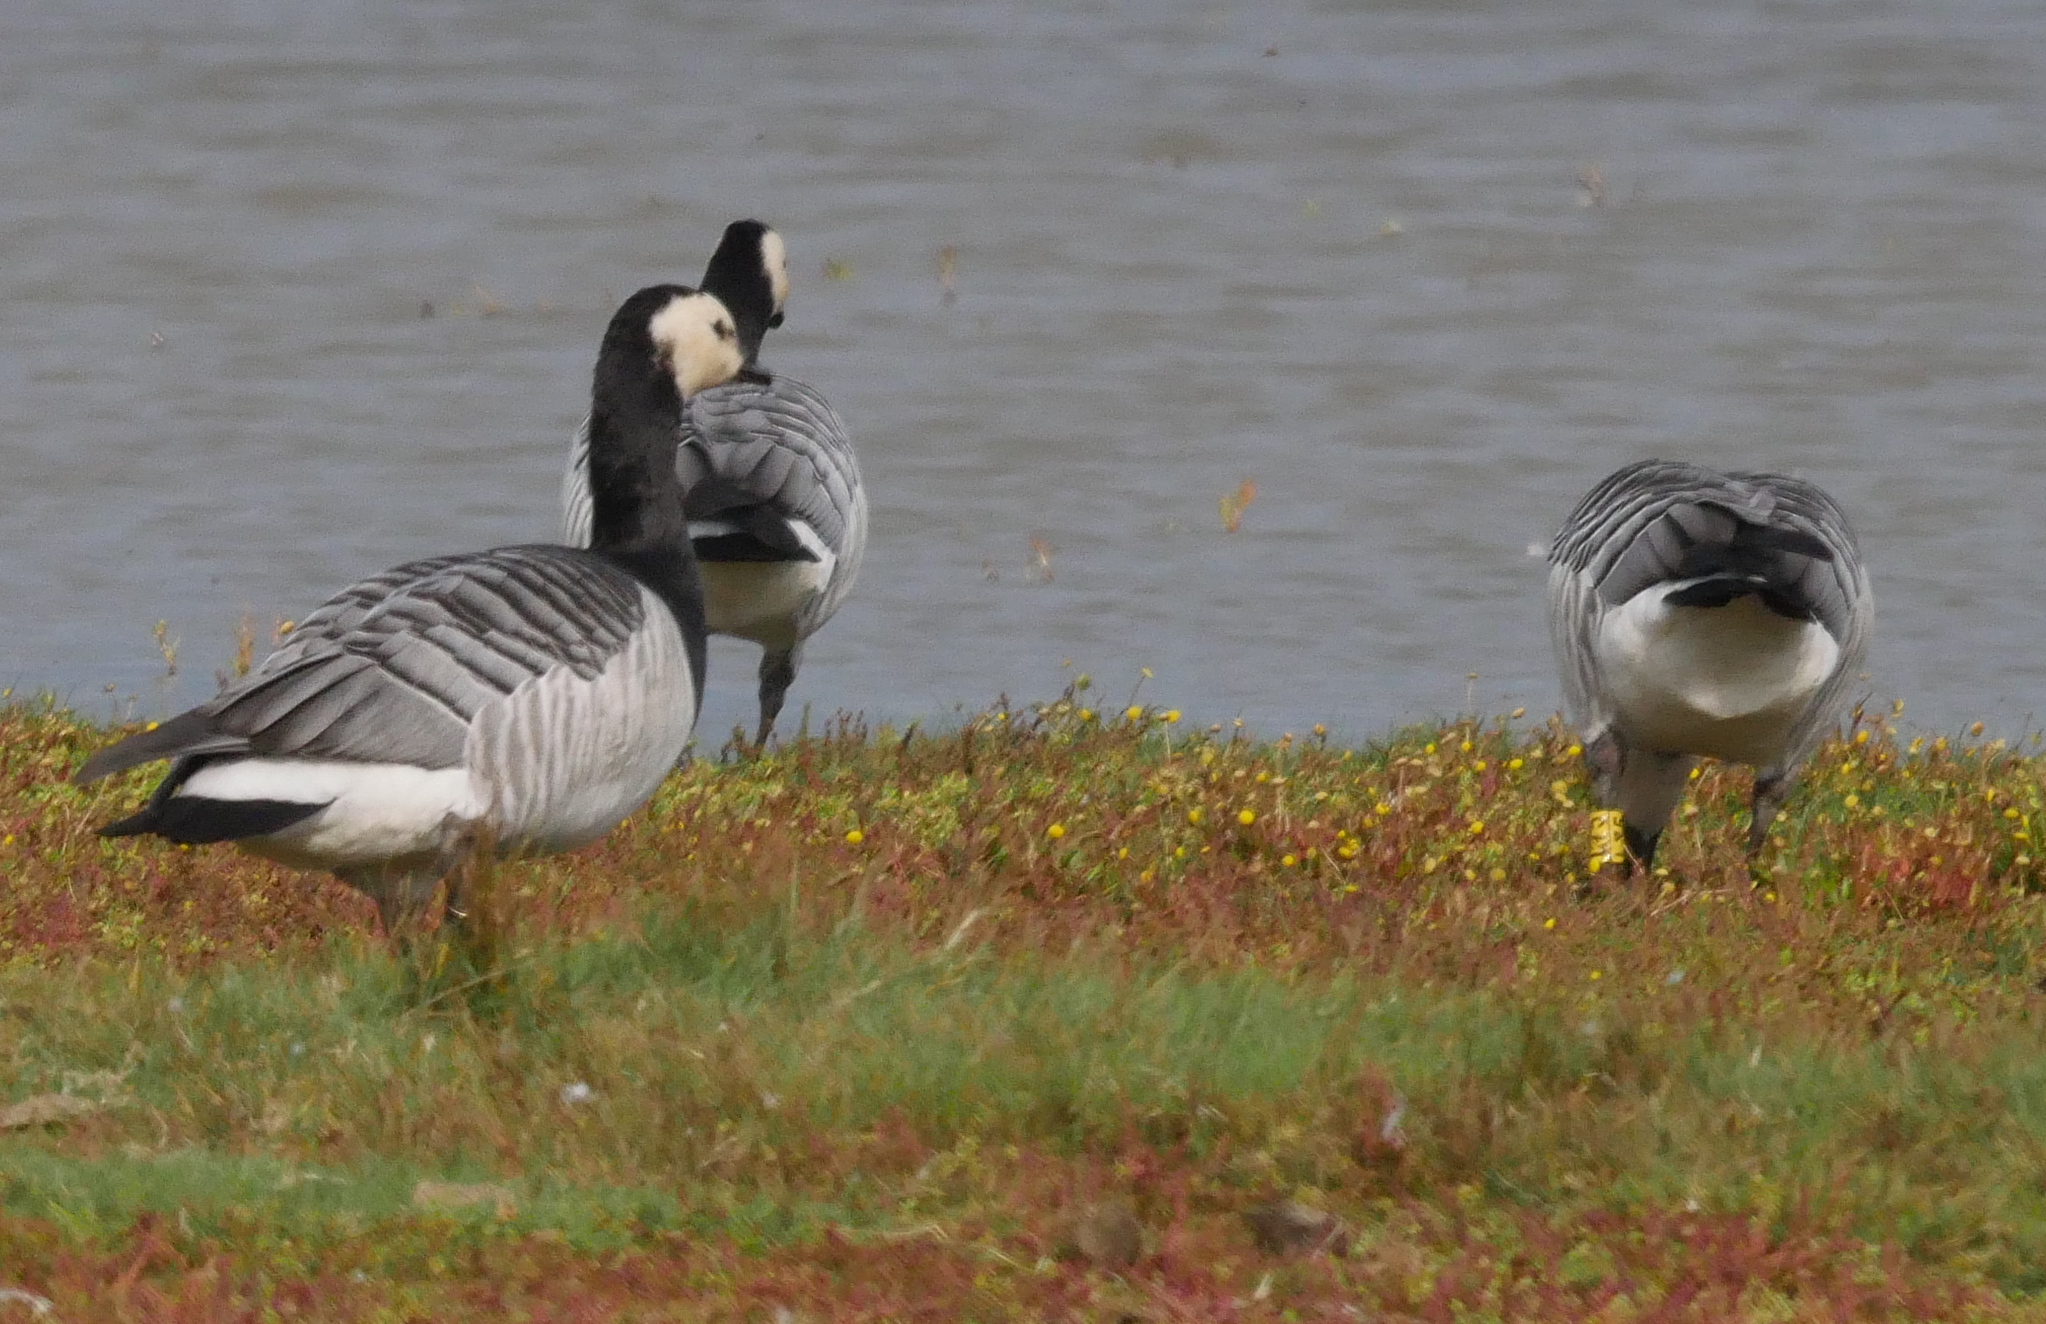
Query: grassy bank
1066,1015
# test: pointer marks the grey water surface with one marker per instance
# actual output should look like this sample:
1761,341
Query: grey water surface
292,292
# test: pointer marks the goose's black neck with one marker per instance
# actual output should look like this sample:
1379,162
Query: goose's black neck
636,516
635,426
738,276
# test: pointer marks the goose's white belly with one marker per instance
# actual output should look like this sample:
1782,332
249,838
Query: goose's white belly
760,600
1728,682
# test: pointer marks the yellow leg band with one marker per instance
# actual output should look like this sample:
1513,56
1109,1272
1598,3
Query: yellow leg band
1608,842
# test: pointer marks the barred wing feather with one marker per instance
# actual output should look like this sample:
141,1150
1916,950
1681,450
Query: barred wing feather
342,612
779,446
403,681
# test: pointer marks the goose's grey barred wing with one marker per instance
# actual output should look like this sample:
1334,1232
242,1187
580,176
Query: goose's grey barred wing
777,469
1573,621
404,682
776,445
342,612
1615,542
1638,526
1661,521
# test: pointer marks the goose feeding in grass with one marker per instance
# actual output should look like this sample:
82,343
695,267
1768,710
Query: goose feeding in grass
1697,613
528,698
776,508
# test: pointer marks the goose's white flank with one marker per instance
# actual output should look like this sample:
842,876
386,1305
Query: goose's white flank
1698,613
527,698
776,508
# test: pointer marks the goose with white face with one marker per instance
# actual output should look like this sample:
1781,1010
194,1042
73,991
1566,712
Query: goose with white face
696,336
524,699
776,507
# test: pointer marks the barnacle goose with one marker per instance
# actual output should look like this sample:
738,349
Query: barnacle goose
528,697
1703,613
775,505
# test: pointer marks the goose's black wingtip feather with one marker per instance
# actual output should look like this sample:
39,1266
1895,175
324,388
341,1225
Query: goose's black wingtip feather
192,820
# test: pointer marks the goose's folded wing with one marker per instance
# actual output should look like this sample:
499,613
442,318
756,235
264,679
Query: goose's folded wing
404,683
346,609
775,446
1654,522
1574,614
768,450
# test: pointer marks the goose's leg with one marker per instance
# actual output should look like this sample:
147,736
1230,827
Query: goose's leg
777,673
401,890
1651,786
1772,788
1603,759
1641,845
468,860
1643,785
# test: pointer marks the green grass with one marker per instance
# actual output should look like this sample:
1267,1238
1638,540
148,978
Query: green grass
873,1027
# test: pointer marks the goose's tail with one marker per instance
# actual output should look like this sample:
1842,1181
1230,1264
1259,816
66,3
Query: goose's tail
1770,562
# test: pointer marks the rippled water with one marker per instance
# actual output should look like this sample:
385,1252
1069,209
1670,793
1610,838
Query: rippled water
1422,272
